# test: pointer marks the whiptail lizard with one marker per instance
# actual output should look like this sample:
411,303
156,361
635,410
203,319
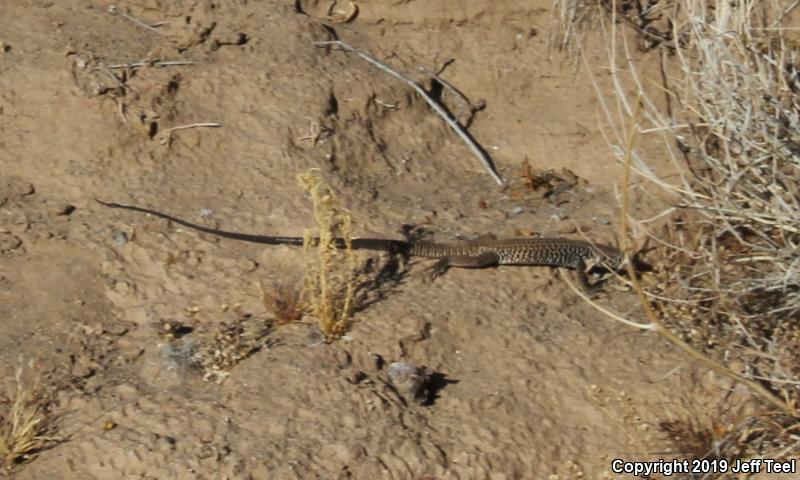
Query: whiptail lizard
578,255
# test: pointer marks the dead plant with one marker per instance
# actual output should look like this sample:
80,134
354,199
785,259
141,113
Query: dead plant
725,113
28,424
225,346
330,277
284,300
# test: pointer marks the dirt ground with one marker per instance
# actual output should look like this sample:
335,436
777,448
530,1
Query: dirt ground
530,381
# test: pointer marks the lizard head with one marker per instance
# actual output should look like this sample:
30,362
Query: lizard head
607,257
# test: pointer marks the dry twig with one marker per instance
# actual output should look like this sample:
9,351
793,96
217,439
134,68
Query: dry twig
479,152
114,10
156,63
167,138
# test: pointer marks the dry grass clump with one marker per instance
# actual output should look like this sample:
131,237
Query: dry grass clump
705,424
724,108
330,268
696,437
226,346
651,19
284,300
27,421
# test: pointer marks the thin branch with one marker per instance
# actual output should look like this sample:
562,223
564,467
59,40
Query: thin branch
167,137
114,10
158,63
479,152
600,308
193,125
465,103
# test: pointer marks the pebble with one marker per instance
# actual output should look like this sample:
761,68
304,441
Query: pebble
410,381
9,243
120,238
65,209
516,211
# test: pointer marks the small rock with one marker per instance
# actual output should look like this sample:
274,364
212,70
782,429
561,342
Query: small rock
9,243
115,329
247,265
119,238
181,354
343,358
565,228
356,377
411,382
83,369
22,189
315,336
65,209
129,355
378,361
569,177
122,287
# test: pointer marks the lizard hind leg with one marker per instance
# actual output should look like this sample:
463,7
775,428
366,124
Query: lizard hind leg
582,272
583,279
482,260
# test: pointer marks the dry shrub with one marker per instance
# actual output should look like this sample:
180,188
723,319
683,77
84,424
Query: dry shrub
700,423
719,435
706,421
224,347
284,300
724,108
330,268
27,421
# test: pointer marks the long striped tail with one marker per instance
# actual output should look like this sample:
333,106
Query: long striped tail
378,244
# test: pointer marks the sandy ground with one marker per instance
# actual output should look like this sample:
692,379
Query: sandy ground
531,382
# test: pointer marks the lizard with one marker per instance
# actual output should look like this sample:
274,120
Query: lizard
578,255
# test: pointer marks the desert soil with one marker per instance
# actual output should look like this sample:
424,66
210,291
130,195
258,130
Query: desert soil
529,380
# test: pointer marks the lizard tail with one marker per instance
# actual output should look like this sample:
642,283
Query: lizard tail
264,239
379,244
